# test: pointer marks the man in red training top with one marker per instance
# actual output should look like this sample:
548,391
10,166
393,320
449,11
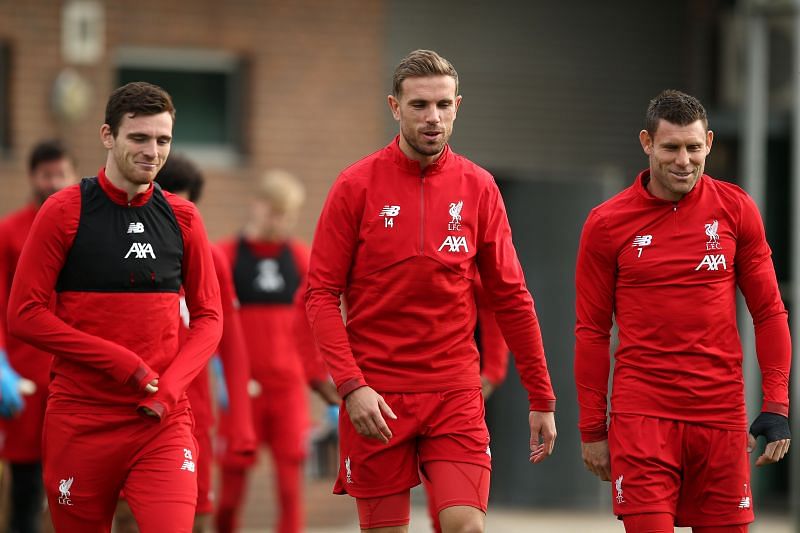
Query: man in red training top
664,258
117,250
50,169
402,235
269,267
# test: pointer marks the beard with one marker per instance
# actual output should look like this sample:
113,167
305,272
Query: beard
423,148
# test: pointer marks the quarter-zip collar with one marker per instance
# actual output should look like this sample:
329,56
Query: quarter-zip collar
412,166
118,196
688,199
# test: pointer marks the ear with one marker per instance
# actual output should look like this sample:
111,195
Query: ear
646,141
709,141
458,104
394,105
106,136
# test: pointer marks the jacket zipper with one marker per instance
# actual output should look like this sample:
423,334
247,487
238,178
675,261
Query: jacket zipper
422,212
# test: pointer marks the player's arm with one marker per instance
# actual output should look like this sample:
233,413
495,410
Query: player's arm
755,275
29,315
235,363
595,280
313,365
509,298
493,349
205,328
331,256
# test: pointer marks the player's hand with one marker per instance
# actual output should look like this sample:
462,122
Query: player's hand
149,412
366,409
597,459
11,401
151,388
543,434
487,387
775,428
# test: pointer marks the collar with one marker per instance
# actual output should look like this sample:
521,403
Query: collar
688,199
118,196
411,165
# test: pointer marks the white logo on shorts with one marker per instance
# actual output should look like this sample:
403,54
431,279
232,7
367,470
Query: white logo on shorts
618,485
63,486
347,470
188,462
744,503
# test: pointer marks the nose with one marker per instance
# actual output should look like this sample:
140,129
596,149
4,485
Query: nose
683,157
433,116
150,149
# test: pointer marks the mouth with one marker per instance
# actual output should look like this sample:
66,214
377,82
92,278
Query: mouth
146,166
682,175
432,135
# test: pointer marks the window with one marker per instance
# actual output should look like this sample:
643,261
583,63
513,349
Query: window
207,90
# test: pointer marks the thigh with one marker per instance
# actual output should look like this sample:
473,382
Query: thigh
161,487
716,484
283,426
368,467
205,455
454,428
83,468
645,464
451,484
390,511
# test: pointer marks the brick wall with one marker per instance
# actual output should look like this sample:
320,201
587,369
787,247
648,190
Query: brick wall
315,95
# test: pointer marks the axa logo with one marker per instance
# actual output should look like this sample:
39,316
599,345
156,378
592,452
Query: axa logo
136,227
142,250
713,262
64,487
455,243
388,213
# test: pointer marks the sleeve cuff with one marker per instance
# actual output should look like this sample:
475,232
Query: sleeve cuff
349,386
775,407
594,435
542,405
143,375
154,405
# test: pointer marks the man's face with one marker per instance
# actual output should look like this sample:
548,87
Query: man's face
272,221
677,157
50,177
141,146
426,109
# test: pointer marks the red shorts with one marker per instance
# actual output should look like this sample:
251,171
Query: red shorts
283,425
205,456
430,426
89,457
698,474
21,436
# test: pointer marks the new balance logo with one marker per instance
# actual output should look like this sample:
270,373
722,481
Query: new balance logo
136,227
455,244
642,240
64,486
390,211
142,251
745,503
713,262
188,462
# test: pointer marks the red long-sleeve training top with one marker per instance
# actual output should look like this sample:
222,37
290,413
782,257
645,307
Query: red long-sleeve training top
29,361
108,345
404,245
667,272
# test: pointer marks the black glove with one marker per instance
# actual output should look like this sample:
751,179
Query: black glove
772,426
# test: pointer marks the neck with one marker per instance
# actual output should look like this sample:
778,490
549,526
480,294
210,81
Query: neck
118,180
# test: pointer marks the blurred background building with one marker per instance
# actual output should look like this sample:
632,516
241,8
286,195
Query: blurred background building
554,97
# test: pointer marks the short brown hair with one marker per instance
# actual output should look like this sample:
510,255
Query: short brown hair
137,98
281,190
676,108
419,64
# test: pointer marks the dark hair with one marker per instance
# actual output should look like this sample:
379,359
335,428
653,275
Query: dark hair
46,151
420,64
137,98
676,108
179,174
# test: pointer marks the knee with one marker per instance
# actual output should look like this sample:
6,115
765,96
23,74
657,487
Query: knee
463,525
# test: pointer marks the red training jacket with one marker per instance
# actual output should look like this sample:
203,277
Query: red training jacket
667,272
107,346
404,246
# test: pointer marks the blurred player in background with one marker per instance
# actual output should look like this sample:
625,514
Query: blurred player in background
664,258
50,169
182,177
117,251
269,267
402,236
